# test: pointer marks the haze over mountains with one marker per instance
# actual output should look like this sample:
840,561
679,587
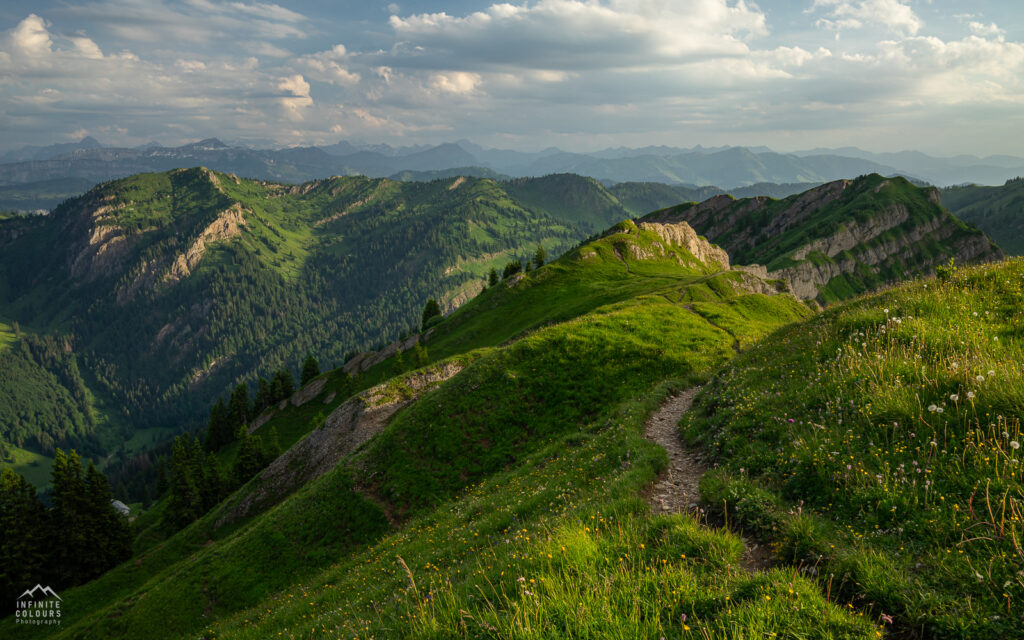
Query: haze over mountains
40,177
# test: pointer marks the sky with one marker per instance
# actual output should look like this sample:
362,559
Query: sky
941,76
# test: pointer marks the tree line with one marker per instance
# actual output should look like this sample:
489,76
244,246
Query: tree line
75,539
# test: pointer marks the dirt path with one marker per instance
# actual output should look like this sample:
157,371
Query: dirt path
676,489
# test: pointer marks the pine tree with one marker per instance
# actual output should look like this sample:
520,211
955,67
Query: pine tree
282,385
238,406
422,358
310,370
219,429
185,504
540,257
68,497
107,532
492,277
264,396
23,547
430,310
511,269
250,458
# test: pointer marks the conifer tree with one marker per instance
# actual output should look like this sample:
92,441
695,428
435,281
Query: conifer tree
186,502
238,406
264,395
219,429
492,277
540,257
23,549
282,385
310,370
430,310
250,458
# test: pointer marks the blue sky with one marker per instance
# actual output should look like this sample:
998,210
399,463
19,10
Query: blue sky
941,76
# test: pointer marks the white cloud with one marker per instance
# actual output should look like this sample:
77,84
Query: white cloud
297,95
457,82
30,37
896,15
981,29
577,34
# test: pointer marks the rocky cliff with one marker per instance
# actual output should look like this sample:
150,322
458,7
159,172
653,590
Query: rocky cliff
841,238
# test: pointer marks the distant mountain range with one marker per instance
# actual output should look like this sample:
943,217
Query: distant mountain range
41,177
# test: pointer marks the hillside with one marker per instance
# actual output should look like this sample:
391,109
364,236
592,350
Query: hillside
167,289
513,475
998,211
878,445
503,488
841,238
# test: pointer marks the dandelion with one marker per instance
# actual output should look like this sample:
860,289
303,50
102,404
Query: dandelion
980,378
954,397
1014,445
991,373
932,408
970,395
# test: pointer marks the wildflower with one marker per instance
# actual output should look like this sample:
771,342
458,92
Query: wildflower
991,373
970,395
1014,445
932,408
980,378
954,397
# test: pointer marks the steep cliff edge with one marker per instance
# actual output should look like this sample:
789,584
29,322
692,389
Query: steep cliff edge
841,238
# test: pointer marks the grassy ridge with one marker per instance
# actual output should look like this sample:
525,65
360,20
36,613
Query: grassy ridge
540,435
880,443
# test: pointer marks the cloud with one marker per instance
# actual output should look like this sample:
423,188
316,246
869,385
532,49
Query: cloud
296,96
981,29
577,34
30,37
457,82
896,15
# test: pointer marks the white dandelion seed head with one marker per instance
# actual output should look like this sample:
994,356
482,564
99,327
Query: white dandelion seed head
954,397
979,378
1014,445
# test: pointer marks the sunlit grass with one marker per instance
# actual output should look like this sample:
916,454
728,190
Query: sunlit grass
889,432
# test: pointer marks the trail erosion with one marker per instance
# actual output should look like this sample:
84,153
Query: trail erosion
677,489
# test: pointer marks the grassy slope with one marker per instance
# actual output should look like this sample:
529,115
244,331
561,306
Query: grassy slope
998,211
551,496
879,443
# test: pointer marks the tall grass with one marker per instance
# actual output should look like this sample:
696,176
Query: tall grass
887,436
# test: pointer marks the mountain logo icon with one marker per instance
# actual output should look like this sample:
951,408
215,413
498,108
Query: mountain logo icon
39,592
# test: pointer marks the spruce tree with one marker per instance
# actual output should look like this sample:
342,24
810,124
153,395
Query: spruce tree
23,545
492,277
264,396
282,385
238,406
219,429
185,504
310,370
540,257
430,310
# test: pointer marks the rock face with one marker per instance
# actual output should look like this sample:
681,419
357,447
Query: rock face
227,225
349,426
682,235
363,361
866,233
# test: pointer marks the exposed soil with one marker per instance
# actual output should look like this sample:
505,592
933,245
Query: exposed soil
676,489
